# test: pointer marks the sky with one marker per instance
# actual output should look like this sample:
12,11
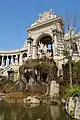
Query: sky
17,15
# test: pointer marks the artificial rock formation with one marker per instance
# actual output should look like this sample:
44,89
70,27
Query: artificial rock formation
38,72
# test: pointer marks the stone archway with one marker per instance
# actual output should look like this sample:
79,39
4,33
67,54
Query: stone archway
42,43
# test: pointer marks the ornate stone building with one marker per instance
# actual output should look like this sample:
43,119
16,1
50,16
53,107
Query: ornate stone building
45,37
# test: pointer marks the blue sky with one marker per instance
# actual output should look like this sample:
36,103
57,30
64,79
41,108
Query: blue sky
17,15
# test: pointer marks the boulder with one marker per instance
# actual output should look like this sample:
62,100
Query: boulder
31,100
73,107
77,108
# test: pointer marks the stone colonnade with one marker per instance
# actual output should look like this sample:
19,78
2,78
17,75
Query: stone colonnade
7,59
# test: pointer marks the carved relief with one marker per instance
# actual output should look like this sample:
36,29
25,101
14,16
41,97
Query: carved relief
44,17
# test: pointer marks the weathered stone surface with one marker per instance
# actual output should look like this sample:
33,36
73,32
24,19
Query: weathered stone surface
54,89
21,86
73,107
77,108
31,81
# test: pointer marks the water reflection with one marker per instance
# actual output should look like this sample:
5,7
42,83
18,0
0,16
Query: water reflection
22,112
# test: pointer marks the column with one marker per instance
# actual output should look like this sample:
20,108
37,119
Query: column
12,59
20,59
7,61
55,44
16,59
53,48
34,56
28,50
2,61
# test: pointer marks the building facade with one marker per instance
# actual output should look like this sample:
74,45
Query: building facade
46,36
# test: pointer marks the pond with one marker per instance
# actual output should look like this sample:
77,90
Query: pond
23,112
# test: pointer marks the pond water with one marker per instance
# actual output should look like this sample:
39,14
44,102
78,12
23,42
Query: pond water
23,112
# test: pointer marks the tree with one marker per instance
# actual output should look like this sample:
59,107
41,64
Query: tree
76,71
67,52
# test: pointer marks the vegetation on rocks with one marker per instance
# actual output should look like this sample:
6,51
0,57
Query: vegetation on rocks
72,92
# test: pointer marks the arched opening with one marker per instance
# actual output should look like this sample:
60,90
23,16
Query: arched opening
45,45
24,55
47,40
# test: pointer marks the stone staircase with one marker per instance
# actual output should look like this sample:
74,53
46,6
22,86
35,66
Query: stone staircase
4,71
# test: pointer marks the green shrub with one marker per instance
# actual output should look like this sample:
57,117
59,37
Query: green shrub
72,92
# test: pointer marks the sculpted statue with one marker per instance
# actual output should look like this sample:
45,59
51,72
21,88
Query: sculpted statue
48,55
44,17
41,46
45,48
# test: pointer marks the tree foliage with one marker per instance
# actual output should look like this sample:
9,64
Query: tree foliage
72,92
75,72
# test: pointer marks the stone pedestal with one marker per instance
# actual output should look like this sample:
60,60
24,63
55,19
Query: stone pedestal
54,89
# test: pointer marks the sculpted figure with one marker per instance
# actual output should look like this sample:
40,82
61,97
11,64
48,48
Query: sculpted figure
41,46
45,49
